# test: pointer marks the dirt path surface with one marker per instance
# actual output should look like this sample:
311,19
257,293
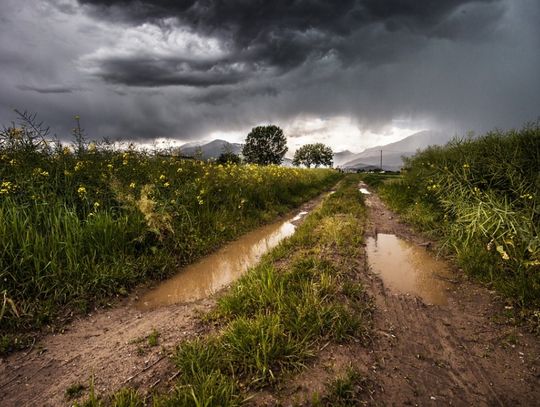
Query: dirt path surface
454,354
110,345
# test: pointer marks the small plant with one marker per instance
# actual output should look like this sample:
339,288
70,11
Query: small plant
350,389
153,338
74,391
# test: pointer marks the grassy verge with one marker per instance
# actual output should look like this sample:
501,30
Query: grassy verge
303,294
481,198
81,225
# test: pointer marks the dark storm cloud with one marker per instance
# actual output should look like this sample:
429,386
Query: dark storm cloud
49,89
446,65
169,71
274,37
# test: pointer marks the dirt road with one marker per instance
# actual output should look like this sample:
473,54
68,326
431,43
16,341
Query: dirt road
453,354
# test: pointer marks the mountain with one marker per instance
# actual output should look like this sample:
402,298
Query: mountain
342,157
209,150
392,153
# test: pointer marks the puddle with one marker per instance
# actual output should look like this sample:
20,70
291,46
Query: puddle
408,268
217,270
364,191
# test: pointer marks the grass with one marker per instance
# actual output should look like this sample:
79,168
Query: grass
277,315
272,322
81,225
349,389
74,391
480,197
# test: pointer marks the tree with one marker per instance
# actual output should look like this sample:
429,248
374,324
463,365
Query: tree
313,154
228,157
265,145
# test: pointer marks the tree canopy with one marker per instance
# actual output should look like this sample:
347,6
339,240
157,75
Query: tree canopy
265,145
313,154
228,157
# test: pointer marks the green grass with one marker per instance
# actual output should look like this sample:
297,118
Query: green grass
349,389
303,293
80,227
480,197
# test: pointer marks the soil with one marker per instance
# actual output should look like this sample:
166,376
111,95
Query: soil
460,353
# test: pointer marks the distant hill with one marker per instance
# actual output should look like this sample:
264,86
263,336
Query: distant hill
392,153
342,157
210,150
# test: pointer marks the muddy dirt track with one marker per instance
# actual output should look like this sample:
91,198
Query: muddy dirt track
456,354
446,355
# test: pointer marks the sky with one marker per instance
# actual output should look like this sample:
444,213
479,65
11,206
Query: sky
348,73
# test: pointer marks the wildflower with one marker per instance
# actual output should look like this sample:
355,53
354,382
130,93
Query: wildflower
92,147
13,162
110,166
466,165
6,187
66,151
166,184
125,162
132,185
162,177
81,190
503,253
79,166
39,171
67,173
96,205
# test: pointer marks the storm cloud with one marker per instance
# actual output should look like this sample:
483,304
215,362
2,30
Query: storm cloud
194,68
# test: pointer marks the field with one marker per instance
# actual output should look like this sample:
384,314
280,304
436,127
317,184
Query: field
480,197
83,224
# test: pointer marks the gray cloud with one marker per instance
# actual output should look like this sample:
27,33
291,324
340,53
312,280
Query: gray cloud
49,88
185,69
276,37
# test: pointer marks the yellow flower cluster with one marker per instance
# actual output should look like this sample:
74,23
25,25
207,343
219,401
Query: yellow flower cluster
7,187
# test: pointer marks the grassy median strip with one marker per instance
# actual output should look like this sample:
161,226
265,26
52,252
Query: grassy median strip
302,294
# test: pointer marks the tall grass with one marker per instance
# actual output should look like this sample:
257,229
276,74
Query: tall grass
78,225
482,196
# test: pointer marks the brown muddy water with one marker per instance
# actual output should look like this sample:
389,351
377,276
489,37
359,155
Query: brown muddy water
219,269
408,268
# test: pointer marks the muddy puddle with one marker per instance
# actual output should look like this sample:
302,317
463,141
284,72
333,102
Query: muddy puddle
219,269
409,268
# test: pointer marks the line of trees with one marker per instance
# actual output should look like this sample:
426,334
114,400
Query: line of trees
267,145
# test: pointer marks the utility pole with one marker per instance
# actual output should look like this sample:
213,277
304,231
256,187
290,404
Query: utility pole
381,161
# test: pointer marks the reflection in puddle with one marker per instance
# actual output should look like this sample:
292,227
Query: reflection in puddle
364,191
408,268
219,269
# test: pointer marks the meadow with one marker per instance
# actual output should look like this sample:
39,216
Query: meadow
88,222
480,197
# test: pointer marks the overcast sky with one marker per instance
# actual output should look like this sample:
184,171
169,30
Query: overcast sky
348,73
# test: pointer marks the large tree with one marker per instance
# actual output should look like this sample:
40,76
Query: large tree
265,145
313,154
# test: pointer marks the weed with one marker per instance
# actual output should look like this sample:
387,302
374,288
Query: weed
351,389
480,198
153,338
74,391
